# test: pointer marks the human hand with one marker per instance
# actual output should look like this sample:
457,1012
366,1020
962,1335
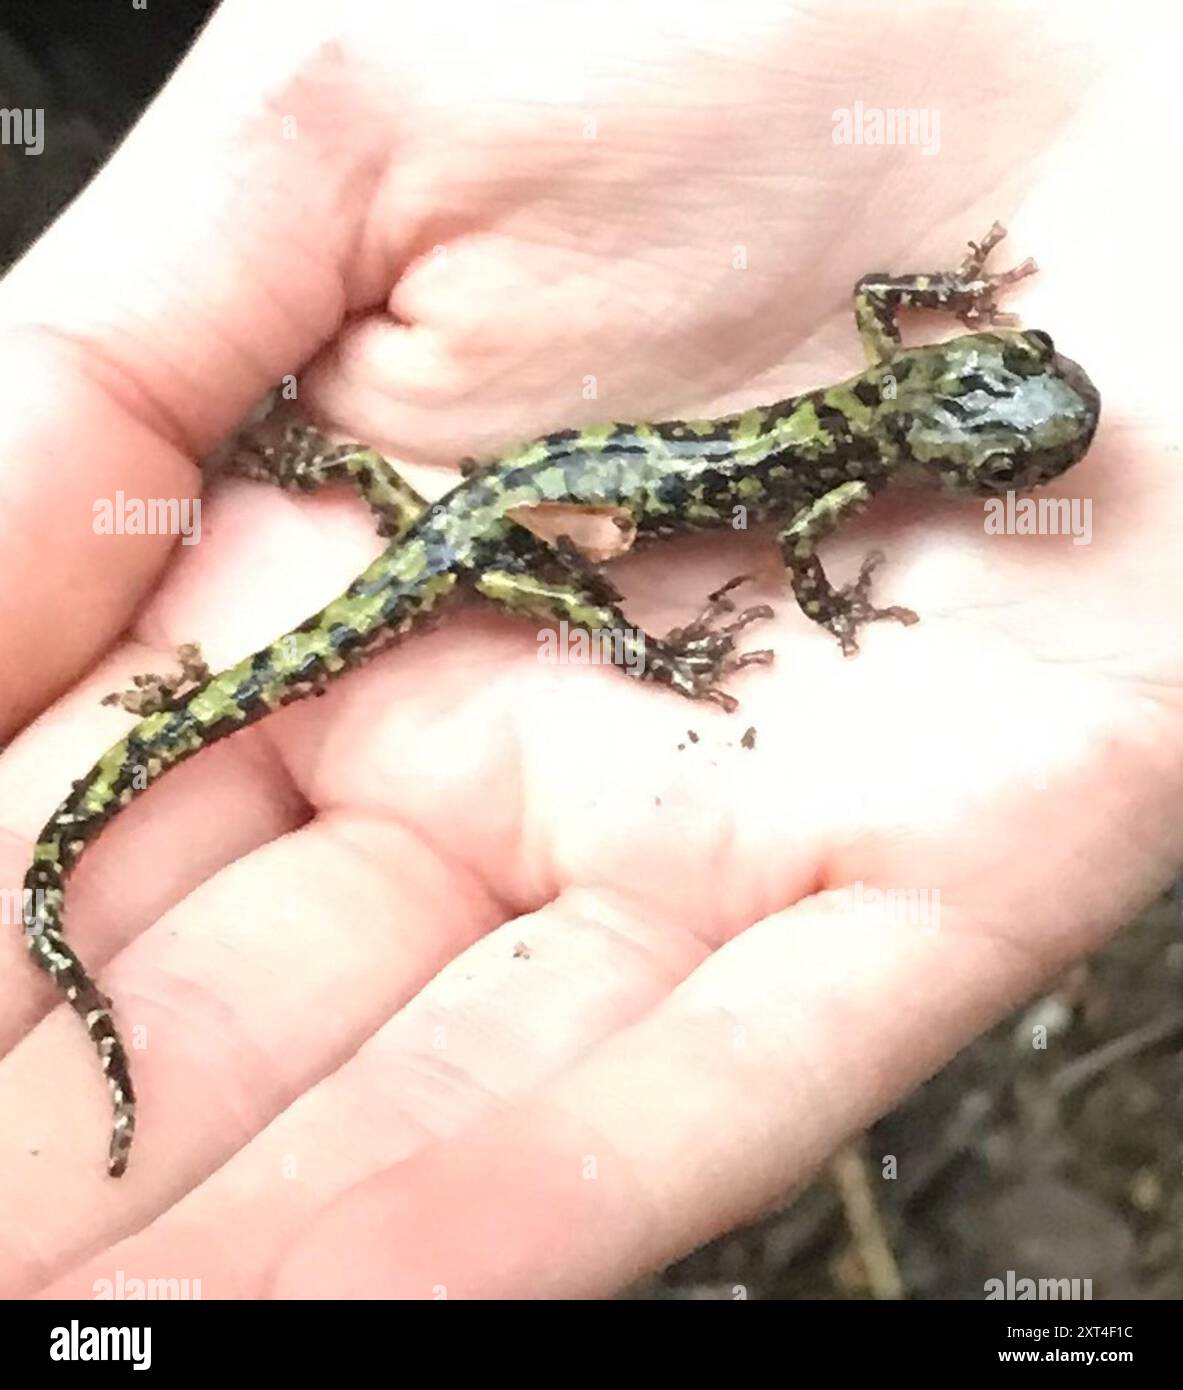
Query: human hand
646,989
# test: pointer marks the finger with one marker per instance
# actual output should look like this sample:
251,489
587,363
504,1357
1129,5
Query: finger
261,567
208,257
502,1017
793,1036
262,981
251,577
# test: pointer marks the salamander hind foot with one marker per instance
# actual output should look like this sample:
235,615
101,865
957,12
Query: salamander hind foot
691,659
150,694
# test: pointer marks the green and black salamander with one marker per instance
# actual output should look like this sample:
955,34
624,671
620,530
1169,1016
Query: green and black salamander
984,413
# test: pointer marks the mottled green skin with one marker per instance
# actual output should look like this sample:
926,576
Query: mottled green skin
984,413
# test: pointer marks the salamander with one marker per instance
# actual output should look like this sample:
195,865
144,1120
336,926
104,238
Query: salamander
990,411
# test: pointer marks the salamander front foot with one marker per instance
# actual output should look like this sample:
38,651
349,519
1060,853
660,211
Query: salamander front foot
851,608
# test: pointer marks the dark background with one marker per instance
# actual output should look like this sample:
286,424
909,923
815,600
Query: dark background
1066,1162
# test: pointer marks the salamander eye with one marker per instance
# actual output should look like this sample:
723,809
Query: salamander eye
998,468
1042,340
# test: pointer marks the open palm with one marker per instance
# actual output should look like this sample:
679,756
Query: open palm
479,975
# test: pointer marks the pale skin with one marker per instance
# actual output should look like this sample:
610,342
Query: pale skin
468,953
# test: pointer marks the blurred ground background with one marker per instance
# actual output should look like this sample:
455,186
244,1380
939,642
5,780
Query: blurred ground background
1066,1162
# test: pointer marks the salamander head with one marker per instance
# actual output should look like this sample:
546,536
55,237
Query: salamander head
991,412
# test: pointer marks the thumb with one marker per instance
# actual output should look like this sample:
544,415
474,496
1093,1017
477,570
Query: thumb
205,260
